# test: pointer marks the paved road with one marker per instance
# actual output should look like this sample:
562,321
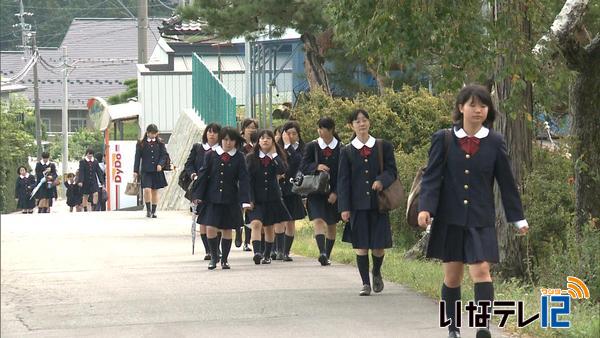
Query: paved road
120,274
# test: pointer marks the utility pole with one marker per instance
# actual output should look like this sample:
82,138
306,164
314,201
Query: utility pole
36,97
25,28
142,31
65,114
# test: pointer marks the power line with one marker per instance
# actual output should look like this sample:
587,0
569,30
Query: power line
164,5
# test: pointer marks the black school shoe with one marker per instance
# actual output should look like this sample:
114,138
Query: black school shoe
266,260
154,216
366,290
225,266
238,241
246,247
324,260
148,213
483,333
287,258
207,257
377,283
257,257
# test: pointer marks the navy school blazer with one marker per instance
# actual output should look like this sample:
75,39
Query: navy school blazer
461,193
264,186
357,174
308,166
293,160
40,168
90,174
223,183
195,159
151,154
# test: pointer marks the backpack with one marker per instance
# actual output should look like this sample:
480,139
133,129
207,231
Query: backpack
412,205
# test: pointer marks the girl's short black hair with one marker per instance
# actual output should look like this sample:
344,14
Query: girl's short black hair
89,151
212,127
152,128
19,169
70,175
329,124
247,122
354,115
292,125
45,155
270,134
232,133
478,93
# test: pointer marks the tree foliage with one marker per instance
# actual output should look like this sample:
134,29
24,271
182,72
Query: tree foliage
15,146
130,92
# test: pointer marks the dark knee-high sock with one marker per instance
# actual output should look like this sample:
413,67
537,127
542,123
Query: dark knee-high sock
238,232
484,291
451,296
147,207
256,247
153,208
262,241
288,244
205,243
213,244
279,242
363,268
247,235
320,243
377,262
85,209
329,246
226,245
219,235
268,247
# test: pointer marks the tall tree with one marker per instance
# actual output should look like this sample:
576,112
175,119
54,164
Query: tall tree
570,36
251,18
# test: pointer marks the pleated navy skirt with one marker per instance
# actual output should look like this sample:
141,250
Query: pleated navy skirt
269,213
318,207
295,207
153,180
368,229
454,243
222,216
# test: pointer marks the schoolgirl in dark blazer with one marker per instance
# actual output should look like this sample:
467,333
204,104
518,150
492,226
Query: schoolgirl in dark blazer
249,127
74,193
23,187
46,192
292,143
223,186
359,180
90,174
210,141
150,158
459,198
322,208
266,166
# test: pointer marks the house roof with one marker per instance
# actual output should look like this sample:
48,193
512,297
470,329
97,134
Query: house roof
86,38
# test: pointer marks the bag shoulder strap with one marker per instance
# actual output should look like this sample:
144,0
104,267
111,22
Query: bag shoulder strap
380,155
316,153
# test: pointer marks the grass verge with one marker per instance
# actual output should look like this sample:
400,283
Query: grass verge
425,277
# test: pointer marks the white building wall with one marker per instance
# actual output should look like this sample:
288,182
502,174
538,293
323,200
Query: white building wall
163,98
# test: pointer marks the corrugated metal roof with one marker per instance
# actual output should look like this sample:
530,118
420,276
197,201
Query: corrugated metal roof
86,38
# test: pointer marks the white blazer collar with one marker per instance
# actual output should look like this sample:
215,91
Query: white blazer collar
25,176
207,146
92,160
483,132
324,145
295,145
220,150
358,145
262,155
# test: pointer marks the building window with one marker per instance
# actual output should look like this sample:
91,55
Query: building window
46,122
77,123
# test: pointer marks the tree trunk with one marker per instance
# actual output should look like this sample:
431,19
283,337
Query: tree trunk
518,135
584,103
314,60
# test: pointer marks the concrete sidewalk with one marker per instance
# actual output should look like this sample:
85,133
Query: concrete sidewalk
120,274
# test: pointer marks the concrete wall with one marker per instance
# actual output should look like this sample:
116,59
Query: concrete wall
187,131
